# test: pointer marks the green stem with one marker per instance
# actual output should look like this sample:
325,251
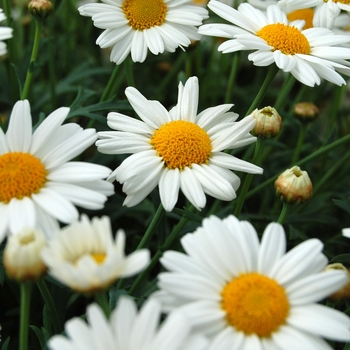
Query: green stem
273,70
152,227
248,179
169,241
111,82
102,301
232,77
29,76
45,293
26,288
285,90
284,212
315,154
128,70
299,143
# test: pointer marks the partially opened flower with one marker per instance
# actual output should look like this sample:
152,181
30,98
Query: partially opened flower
308,55
138,25
85,257
128,329
5,33
179,149
246,294
39,184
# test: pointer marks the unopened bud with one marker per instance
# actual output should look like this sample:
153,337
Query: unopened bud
268,122
22,255
306,111
293,186
40,9
343,293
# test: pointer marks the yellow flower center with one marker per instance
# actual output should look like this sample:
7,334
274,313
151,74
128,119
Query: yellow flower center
255,304
181,143
21,175
346,2
98,257
27,238
306,14
144,14
288,39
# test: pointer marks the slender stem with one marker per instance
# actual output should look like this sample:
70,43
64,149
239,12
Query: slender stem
45,293
152,227
287,86
284,212
107,91
26,288
248,180
299,143
129,74
232,77
101,299
157,218
273,70
29,76
316,154
169,241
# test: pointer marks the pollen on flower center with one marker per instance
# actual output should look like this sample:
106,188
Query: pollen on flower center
181,143
288,39
98,257
306,14
144,14
21,175
346,2
255,304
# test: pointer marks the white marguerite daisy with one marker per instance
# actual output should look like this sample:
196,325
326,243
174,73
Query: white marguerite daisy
85,257
326,11
138,25
128,329
307,54
38,183
249,295
179,149
5,33
346,232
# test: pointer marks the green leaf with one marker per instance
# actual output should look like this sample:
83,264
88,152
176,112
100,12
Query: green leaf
342,258
345,205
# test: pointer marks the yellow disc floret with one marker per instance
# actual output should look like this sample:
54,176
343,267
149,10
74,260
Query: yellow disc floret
345,2
21,175
255,304
288,39
306,14
144,14
98,257
181,143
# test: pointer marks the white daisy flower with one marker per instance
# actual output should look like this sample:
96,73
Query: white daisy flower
85,257
5,33
326,11
38,183
249,295
177,149
128,329
346,232
307,54
138,25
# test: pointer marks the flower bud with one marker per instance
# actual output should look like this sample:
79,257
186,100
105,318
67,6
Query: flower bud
268,122
306,111
293,186
40,9
22,255
343,293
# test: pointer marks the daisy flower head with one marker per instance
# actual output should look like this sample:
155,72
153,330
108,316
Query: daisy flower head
5,33
85,257
308,55
179,149
326,11
246,294
128,328
39,184
138,25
